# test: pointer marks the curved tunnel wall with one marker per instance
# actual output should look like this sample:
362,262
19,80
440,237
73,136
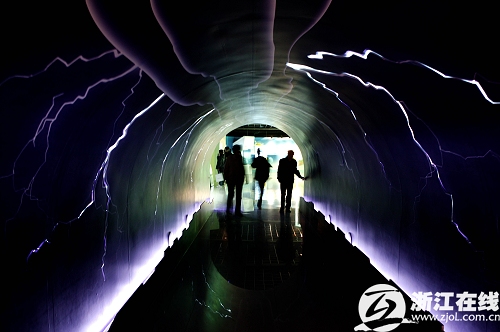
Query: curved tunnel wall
159,175
370,173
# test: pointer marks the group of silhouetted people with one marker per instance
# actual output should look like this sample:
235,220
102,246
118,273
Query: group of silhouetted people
231,165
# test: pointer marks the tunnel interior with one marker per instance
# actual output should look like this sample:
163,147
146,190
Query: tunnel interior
108,135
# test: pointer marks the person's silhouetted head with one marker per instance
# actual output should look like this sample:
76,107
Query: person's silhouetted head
236,148
290,154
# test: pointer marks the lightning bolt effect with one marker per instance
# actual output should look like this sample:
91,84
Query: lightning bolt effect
97,183
45,127
53,113
366,53
45,137
48,121
433,167
101,175
435,164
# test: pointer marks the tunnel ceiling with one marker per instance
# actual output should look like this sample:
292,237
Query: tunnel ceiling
432,63
234,56
257,130
323,72
216,52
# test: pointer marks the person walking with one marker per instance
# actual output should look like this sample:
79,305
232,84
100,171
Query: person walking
261,166
234,174
221,160
227,152
287,168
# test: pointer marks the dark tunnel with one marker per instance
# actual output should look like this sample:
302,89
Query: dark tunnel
111,115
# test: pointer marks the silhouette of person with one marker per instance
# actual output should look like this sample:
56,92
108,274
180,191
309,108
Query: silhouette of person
261,166
234,174
287,168
220,164
227,153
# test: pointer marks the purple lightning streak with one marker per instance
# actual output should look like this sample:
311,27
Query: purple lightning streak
364,55
103,170
367,52
433,167
28,191
115,53
489,152
104,165
52,115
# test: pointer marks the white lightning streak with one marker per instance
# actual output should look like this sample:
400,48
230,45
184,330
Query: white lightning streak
432,165
364,55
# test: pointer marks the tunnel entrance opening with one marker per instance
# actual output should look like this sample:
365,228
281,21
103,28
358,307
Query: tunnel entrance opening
262,249
273,145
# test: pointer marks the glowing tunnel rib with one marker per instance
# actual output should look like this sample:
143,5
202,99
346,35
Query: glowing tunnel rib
189,131
364,55
433,167
306,70
218,132
340,147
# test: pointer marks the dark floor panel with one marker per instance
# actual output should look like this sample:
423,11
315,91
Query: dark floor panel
256,254
259,272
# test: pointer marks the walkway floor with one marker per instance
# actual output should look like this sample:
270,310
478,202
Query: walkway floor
251,273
